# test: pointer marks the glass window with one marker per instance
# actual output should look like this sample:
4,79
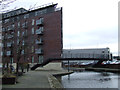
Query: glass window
11,60
26,16
18,41
23,42
8,52
33,21
23,33
32,30
6,20
32,49
22,52
32,59
26,32
40,59
18,33
36,13
18,24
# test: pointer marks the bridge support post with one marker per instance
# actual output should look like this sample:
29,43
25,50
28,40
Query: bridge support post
68,66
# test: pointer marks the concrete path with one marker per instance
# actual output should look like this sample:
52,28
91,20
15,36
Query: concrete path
32,79
39,78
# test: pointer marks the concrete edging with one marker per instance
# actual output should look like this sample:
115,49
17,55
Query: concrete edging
54,83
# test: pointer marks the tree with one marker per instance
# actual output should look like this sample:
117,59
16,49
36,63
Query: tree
4,7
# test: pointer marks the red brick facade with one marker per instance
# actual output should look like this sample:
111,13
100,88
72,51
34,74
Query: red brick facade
37,35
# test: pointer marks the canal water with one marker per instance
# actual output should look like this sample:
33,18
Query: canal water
90,79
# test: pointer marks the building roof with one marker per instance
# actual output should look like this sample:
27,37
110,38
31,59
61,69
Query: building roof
24,11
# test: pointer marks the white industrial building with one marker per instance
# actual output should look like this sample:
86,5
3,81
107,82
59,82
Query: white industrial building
92,52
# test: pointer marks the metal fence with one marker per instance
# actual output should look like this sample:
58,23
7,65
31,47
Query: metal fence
84,55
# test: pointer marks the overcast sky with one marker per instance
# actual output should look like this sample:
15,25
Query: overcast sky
86,23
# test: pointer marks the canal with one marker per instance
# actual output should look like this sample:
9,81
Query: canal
90,79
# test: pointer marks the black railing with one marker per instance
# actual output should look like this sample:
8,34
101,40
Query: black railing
85,55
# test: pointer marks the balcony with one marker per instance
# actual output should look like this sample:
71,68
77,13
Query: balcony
38,51
39,22
39,41
10,36
9,53
25,25
10,28
9,44
39,31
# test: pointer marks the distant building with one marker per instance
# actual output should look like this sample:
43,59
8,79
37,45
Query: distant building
37,33
93,52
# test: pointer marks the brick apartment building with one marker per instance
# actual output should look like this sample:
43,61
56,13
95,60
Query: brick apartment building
32,35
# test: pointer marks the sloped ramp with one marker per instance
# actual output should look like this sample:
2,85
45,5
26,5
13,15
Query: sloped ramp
40,65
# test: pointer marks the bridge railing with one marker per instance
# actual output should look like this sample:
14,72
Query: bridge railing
84,55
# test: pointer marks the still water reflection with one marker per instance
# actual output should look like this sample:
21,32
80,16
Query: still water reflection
90,80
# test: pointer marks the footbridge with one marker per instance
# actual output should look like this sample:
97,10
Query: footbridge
81,56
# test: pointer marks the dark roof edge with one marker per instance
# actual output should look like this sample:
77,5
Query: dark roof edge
52,5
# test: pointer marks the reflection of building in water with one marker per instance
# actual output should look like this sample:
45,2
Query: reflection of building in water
92,53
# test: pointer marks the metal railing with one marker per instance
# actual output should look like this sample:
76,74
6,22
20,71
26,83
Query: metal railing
38,51
84,55
39,22
39,31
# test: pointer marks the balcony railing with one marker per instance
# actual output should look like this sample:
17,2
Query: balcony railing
11,27
38,51
39,22
9,53
39,31
39,41
9,44
10,36
25,25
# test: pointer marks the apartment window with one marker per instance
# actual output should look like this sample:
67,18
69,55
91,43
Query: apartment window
18,33
26,16
13,26
18,18
36,13
12,19
32,49
6,21
33,31
13,42
23,42
40,59
8,53
1,53
24,25
33,21
11,59
3,29
18,41
23,33
26,32
22,52
32,59
18,24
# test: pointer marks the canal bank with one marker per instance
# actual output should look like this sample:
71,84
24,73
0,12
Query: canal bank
103,69
92,80
47,77
42,77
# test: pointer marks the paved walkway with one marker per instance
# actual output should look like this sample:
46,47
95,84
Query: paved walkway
36,79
